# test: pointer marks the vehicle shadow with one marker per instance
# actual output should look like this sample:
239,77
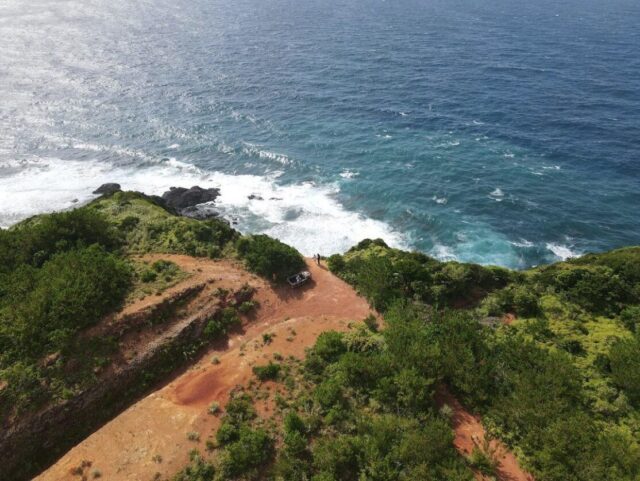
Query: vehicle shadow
287,293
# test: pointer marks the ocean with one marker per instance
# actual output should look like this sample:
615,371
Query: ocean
499,132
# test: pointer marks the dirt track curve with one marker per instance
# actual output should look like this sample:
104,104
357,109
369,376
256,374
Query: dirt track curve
151,436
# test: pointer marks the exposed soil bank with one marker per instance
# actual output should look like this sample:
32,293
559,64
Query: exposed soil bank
470,433
151,436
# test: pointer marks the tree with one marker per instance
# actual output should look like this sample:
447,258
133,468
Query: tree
269,257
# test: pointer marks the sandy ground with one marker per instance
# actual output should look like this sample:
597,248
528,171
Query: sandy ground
469,433
150,437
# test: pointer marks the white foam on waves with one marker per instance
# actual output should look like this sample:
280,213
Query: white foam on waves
562,252
497,194
306,215
348,174
255,150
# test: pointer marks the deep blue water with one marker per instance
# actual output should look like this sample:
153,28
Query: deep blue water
502,131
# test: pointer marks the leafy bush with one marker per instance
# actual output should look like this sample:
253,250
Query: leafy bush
44,308
482,461
384,275
198,470
148,276
147,226
630,317
328,348
268,372
247,454
336,263
36,240
625,366
269,257
221,323
594,286
246,307
214,408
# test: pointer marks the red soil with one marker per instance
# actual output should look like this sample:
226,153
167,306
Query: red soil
470,433
151,436
149,439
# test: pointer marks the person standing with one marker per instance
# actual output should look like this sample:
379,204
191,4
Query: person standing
318,258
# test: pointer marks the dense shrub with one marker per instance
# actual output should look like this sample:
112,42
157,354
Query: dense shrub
625,367
36,240
147,226
384,275
328,348
249,452
269,372
630,317
595,287
336,263
269,257
43,309
220,324
198,470
518,299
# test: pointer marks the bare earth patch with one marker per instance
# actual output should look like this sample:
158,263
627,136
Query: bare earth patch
151,436
470,433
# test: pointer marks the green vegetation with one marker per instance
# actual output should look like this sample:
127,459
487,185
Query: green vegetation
559,382
148,227
214,408
222,322
59,274
198,470
269,257
383,275
350,412
560,385
247,306
268,372
483,460
154,278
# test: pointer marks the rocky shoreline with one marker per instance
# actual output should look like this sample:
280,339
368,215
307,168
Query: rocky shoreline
194,202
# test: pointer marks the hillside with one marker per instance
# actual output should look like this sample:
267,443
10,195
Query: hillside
124,293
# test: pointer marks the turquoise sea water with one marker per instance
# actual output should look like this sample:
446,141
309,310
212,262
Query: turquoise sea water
503,132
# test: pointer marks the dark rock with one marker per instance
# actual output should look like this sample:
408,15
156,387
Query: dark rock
255,197
180,198
107,189
199,213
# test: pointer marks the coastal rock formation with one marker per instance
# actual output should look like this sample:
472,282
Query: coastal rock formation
181,198
200,212
107,189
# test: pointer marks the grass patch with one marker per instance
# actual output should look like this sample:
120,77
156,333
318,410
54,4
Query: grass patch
153,278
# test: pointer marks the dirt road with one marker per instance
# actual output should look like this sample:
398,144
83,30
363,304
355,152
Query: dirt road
151,436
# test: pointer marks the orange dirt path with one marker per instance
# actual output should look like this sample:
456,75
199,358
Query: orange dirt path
150,437
469,433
